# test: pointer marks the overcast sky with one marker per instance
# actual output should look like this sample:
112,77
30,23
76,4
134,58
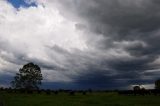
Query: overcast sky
81,44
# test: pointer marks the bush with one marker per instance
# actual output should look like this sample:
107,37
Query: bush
48,91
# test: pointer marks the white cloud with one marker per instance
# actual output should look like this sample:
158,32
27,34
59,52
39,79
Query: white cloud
27,32
146,86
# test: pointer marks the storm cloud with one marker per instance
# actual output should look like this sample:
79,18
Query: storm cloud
130,29
101,44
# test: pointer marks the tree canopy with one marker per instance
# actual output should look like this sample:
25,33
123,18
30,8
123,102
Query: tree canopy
29,77
157,84
135,88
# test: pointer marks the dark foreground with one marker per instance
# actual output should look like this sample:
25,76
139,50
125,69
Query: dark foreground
78,99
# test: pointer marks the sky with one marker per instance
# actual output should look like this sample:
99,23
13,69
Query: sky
21,3
82,44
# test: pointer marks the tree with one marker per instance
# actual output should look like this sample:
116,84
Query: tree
29,77
157,84
136,88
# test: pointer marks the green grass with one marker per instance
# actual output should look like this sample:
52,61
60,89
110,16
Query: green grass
93,99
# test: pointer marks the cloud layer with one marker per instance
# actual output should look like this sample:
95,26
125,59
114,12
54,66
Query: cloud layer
101,44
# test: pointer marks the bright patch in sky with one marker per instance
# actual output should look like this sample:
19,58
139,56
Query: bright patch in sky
41,34
19,3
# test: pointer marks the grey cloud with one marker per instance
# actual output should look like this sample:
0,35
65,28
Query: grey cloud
5,80
119,21
107,24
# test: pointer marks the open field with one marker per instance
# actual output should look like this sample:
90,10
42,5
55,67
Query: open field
90,99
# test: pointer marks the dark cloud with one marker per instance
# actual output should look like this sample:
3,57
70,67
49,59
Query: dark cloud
5,80
123,44
117,21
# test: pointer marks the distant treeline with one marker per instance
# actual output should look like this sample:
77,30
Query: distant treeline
140,92
83,92
46,91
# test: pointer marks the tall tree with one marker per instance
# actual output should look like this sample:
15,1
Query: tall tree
29,77
157,84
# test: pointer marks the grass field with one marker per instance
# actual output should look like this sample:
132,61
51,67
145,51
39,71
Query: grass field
93,99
